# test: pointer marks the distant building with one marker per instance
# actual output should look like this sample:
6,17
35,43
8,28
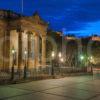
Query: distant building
95,38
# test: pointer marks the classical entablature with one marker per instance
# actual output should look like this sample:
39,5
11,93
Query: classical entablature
16,21
15,27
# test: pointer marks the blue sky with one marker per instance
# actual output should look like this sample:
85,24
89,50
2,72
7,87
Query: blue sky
79,17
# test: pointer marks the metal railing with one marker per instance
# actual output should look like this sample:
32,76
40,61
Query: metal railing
37,73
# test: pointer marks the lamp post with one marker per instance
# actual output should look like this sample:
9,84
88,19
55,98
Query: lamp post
59,55
52,55
82,60
13,63
25,66
90,61
62,60
59,61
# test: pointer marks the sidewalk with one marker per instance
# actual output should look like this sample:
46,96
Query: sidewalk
69,88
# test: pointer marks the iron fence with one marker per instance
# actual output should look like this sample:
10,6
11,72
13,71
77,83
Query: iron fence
11,75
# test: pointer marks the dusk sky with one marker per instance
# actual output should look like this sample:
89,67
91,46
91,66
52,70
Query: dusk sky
79,17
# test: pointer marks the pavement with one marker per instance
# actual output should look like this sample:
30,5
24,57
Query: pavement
68,88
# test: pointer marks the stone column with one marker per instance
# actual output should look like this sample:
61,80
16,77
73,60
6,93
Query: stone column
6,50
29,49
1,48
33,51
36,49
20,59
43,51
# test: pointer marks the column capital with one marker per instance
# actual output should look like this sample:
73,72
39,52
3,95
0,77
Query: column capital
19,29
43,36
35,35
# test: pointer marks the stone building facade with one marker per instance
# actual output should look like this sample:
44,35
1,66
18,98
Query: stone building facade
22,34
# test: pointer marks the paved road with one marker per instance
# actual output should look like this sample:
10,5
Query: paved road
69,88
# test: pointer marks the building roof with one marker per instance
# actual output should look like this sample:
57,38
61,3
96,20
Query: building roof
8,14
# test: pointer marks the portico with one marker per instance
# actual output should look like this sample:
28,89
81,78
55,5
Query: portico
22,33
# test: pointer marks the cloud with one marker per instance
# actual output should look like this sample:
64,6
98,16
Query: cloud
74,15
92,28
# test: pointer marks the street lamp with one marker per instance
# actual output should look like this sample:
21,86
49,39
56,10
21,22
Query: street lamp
91,58
82,57
53,54
13,63
52,61
59,55
25,67
90,63
62,60
59,62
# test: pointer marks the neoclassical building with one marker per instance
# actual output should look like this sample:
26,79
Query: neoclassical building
26,35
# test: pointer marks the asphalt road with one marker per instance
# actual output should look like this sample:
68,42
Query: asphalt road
69,88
